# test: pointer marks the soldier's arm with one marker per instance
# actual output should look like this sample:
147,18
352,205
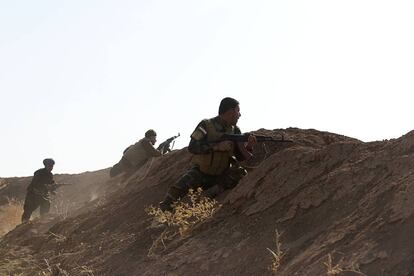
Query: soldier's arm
198,143
50,183
150,150
52,187
242,152
35,180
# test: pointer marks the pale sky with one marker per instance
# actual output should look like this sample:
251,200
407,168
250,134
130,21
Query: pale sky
82,80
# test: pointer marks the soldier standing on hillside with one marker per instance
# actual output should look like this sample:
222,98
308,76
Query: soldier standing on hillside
136,155
215,164
38,192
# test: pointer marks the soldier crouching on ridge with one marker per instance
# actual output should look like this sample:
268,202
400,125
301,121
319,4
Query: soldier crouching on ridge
137,155
215,163
38,191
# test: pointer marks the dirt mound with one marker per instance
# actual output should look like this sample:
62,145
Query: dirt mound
329,195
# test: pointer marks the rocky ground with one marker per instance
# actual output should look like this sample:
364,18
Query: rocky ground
331,197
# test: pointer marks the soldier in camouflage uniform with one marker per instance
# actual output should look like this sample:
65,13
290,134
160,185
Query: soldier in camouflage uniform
38,192
215,165
136,155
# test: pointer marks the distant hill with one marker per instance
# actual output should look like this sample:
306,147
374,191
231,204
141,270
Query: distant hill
83,185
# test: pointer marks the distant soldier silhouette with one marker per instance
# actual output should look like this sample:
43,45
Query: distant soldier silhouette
214,163
38,191
137,155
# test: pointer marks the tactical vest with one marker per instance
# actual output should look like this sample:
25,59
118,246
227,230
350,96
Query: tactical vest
216,162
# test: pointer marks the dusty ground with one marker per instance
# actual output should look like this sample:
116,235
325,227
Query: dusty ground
327,194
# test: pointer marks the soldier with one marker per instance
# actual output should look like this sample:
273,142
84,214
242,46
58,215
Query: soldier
214,164
39,190
137,155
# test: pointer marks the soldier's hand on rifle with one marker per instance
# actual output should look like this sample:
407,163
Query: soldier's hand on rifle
52,187
251,141
223,146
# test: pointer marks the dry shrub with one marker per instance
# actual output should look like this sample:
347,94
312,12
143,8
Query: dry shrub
48,271
85,270
53,270
277,255
3,183
62,206
10,215
332,270
185,217
58,238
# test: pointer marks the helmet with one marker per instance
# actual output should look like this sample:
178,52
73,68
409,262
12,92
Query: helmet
48,162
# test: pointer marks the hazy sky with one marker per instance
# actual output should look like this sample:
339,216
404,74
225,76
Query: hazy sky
82,80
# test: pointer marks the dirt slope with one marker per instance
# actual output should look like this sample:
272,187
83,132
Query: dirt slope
327,194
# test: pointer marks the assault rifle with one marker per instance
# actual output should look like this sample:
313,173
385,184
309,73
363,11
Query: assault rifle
54,186
164,147
239,138
58,185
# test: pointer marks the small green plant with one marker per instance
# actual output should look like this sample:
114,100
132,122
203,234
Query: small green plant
184,218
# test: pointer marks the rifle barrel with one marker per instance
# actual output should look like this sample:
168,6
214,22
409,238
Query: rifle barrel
245,137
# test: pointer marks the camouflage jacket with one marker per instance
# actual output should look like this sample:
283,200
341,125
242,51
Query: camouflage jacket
140,152
199,143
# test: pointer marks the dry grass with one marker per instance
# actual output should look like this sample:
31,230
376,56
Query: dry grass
61,206
185,217
48,271
58,238
52,270
85,270
277,255
3,183
332,270
10,215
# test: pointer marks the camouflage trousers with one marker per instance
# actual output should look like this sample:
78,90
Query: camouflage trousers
32,202
211,184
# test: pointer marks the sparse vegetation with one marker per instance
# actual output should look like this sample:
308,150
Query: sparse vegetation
62,206
332,270
52,270
10,215
48,271
3,183
277,254
57,237
185,217
85,270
